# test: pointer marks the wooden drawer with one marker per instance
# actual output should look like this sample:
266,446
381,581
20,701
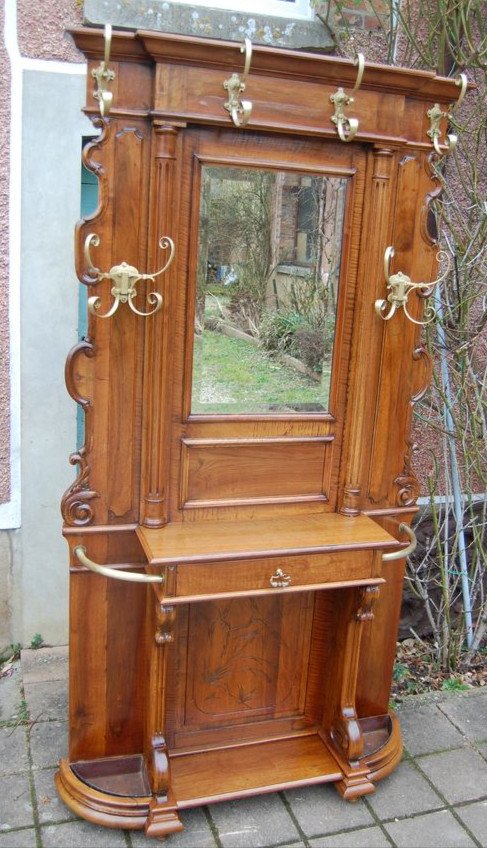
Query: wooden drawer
272,574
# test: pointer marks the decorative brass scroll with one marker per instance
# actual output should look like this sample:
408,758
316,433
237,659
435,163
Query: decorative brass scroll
347,127
125,278
436,115
103,76
400,286
240,110
404,552
130,576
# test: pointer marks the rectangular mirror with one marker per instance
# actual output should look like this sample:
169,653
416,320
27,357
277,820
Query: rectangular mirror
269,256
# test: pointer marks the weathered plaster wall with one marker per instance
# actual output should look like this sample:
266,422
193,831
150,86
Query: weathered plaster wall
5,478
42,29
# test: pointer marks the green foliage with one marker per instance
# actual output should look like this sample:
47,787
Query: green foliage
36,642
10,653
400,671
23,711
454,684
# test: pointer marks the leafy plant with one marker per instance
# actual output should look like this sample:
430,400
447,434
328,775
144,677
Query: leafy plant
400,671
454,684
36,642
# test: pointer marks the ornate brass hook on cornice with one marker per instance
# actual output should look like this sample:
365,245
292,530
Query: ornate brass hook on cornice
103,76
400,286
125,278
240,110
347,127
436,115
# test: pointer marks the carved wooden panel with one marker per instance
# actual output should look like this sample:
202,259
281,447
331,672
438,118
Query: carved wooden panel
252,469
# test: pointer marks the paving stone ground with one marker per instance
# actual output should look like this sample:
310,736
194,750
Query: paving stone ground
436,798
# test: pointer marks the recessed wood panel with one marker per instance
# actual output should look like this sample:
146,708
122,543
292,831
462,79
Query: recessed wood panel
256,662
251,469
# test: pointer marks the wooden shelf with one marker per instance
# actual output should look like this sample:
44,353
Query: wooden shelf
247,770
280,536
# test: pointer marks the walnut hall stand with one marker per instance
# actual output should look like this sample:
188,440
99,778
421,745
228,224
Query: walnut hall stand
237,556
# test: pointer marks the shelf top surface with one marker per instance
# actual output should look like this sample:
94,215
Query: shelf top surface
206,541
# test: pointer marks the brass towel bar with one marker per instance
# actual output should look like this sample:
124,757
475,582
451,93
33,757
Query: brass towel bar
80,554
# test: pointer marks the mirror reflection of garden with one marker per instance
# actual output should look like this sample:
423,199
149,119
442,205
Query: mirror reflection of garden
268,269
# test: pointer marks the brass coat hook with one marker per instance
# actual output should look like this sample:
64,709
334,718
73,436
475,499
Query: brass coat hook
436,116
240,110
103,76
347,127
400,286
124,278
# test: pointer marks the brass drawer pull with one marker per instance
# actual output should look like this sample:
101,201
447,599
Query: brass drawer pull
279,579
80,553
404,552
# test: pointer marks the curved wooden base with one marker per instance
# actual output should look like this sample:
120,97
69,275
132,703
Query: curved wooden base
161,819
114,810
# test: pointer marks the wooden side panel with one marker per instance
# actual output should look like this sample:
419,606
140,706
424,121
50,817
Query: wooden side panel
108,651
403,370
366,332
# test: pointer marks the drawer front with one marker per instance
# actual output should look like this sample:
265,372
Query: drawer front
272,574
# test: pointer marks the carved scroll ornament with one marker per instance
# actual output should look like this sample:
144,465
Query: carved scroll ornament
75,504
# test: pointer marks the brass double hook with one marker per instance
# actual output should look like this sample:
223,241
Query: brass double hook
436,115
103,76
240,110
124,278
347,127
400,286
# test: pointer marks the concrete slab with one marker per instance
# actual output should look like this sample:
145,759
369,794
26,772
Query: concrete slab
15,803
13,750
47,700
11,694
81,834
469,714
365,837
319,810
49,743
25,838
404,793
426,729
433,830
50,808
196,833
209,22
45,664
475,818
459,775
253,822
